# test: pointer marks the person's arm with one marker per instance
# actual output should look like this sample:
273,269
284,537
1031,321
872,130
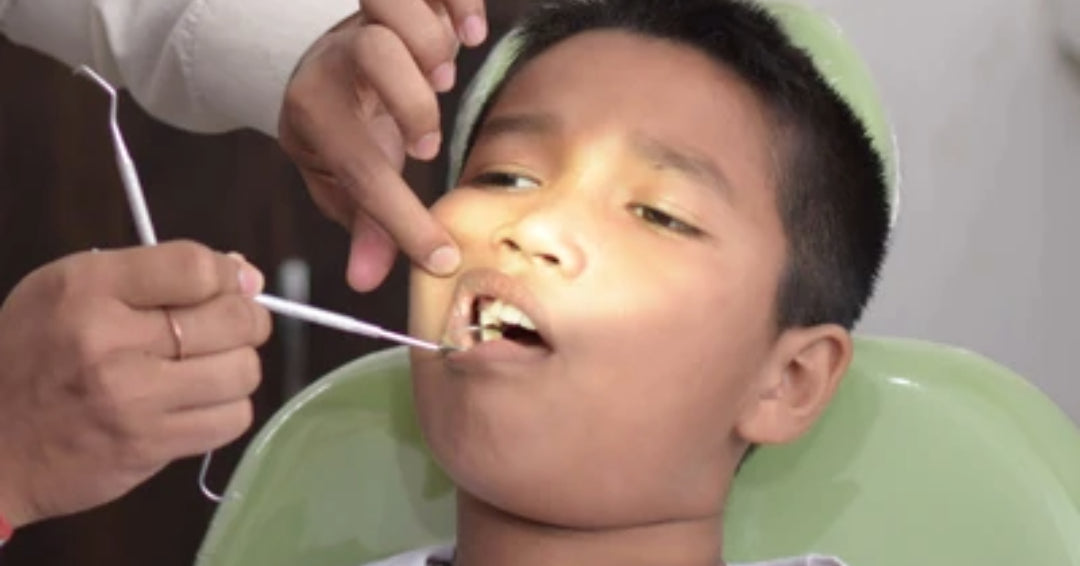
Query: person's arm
202,65
1068,21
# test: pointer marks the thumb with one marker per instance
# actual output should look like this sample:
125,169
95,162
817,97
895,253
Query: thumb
384,198
371,254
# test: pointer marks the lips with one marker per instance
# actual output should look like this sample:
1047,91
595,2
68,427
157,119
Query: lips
496,318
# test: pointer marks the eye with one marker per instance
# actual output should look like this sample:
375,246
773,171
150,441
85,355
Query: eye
504,179
664,220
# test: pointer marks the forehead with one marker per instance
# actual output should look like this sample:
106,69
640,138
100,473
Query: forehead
617,82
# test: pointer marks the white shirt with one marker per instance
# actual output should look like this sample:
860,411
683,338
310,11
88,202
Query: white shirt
202,65
445,553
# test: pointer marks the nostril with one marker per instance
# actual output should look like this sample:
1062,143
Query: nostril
548,259
511,245
529,253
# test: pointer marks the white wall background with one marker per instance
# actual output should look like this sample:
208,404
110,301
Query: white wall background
987,113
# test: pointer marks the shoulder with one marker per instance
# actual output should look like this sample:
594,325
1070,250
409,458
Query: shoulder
419,557
808,560
444,553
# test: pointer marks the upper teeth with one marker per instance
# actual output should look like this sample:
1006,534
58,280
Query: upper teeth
498,313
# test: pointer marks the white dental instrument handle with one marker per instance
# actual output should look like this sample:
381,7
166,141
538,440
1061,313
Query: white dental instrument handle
330,319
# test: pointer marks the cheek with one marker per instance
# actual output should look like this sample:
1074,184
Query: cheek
664,358
446,207
693,312
467,214
430,297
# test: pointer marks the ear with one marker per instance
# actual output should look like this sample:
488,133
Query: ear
797,384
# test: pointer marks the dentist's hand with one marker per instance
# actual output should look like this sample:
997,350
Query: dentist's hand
362,99
95,397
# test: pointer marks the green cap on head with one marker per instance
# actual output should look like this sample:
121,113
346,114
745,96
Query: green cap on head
815,33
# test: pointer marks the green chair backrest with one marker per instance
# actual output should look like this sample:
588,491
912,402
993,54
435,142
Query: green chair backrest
928,455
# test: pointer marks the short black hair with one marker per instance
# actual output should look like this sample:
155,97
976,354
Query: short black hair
831,194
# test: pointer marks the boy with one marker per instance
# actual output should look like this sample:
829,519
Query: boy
669,222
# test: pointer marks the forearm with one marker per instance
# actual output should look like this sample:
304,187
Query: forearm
202,65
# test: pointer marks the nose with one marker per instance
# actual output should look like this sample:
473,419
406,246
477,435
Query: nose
542,237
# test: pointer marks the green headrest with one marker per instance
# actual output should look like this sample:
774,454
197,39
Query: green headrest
807,28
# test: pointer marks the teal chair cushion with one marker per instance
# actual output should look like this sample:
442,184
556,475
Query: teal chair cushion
927,455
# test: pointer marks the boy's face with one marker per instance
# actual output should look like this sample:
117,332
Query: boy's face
619,194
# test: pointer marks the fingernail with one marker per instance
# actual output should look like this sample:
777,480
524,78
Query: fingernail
473,31
427,147
251,280
443,77
444,260
237,256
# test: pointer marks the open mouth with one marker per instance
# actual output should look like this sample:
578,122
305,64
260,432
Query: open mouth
493,319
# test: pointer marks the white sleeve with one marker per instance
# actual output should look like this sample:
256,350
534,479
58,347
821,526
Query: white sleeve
202,65
1068,20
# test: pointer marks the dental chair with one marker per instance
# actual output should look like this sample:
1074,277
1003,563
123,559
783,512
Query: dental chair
928,455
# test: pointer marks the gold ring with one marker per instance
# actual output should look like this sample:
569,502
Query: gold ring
177,334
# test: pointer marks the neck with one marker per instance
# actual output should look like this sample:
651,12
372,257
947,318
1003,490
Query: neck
490,537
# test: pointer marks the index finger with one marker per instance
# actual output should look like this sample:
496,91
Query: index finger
470,20
179,273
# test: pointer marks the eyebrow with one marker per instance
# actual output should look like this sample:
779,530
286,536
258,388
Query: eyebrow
697,167
536,124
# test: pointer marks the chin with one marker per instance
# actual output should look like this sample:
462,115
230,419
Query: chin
527,481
